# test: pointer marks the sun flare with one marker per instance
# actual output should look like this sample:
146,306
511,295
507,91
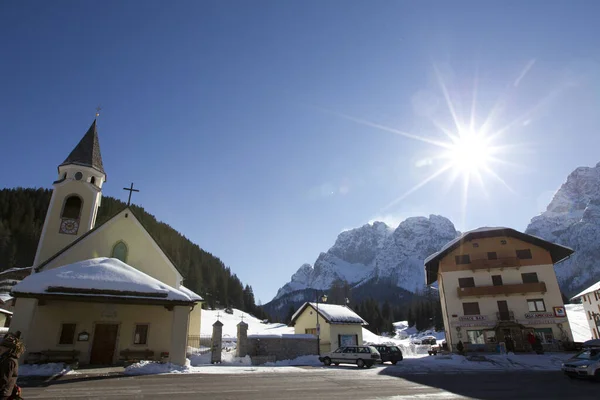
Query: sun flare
470,152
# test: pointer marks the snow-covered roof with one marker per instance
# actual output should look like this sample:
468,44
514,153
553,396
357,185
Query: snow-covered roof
102,276
192,295
333,313
5,297
10,270
557,252
3,311
591,289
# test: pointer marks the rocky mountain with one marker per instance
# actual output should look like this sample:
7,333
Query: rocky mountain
573,219
369,255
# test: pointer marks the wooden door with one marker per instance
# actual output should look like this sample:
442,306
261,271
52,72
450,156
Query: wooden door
105,342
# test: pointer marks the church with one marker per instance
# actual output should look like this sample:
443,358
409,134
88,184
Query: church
100,292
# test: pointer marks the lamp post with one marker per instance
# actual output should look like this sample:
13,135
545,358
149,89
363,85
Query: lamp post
324,298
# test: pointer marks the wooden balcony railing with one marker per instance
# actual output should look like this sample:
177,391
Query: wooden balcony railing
503,262
519,288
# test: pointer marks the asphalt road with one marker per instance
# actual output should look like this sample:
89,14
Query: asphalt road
347,384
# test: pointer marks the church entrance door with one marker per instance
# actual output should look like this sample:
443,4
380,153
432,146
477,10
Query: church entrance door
105,342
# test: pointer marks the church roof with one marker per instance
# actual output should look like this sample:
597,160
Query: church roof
87,151
101,277
332,313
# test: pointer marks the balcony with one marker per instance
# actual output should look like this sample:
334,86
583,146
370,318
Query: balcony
505,316
501,290
503,262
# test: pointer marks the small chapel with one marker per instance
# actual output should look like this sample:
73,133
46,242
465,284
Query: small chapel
100,293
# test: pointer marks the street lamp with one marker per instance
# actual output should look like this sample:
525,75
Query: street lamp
324,298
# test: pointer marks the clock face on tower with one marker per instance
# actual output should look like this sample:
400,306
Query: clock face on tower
69,226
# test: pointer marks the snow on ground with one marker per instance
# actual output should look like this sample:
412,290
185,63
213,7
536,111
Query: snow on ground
578,322
230,322
49,369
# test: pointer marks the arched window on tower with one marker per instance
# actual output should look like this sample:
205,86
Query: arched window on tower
93,180
72,207
119,251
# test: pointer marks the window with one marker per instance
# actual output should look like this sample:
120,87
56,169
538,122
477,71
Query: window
530,277
492,255
524,254
120,251
497,280
78,175
463,259
141,334
466,282
311,331
490,336
536,305
503,242
93,180
476,337
471,308
545,334
475,244
72,207
67,334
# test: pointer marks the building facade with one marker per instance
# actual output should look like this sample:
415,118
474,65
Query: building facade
590,298
333,324
498,285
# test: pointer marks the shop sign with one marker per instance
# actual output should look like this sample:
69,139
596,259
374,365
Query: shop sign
535,315
473,318
543,321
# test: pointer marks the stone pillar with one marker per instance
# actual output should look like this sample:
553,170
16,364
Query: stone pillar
22,320
217,342
179,334
242,340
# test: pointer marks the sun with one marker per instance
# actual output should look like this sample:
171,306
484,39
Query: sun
469,152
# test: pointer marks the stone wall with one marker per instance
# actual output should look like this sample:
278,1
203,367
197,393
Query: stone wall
267,348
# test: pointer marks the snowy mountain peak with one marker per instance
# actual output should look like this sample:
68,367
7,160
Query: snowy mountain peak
573,219
376,251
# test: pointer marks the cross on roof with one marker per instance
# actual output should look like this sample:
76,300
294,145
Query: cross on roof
130,189
98,111
242,317
218,316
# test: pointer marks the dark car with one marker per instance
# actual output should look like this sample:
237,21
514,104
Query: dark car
389,353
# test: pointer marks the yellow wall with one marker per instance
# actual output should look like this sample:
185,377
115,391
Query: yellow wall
46,327
143,253
195,319
591,305
541,263
329,332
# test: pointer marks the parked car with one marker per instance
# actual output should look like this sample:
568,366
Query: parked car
585,364
362,356
392,354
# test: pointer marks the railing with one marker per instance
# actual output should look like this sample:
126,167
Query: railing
505,316
518,288
199,344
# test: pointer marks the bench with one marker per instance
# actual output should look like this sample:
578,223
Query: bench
133,356
70,357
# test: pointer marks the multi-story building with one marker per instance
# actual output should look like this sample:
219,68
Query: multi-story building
590,298
497,284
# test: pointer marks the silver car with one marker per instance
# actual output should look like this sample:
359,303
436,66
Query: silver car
362,356
585,364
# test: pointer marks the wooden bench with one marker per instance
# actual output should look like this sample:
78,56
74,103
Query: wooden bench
65,356
133,356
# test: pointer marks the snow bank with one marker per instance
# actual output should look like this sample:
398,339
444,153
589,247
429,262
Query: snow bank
300,361
154,367
49,369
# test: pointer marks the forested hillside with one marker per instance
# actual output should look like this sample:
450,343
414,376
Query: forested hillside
22,213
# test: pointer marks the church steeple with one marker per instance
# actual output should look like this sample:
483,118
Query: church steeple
87,151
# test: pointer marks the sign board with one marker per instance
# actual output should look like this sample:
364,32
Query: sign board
534,315
474,323
473,318
542,321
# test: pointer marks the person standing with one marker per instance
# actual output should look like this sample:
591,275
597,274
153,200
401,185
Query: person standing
12,347
531,340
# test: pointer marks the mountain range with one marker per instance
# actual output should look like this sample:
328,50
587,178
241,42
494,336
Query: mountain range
364,257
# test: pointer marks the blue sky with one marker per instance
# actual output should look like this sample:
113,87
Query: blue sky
238,120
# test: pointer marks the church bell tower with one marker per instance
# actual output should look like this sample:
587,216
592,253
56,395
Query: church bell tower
75,198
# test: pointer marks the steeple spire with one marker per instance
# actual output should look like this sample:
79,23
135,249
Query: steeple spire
87,151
